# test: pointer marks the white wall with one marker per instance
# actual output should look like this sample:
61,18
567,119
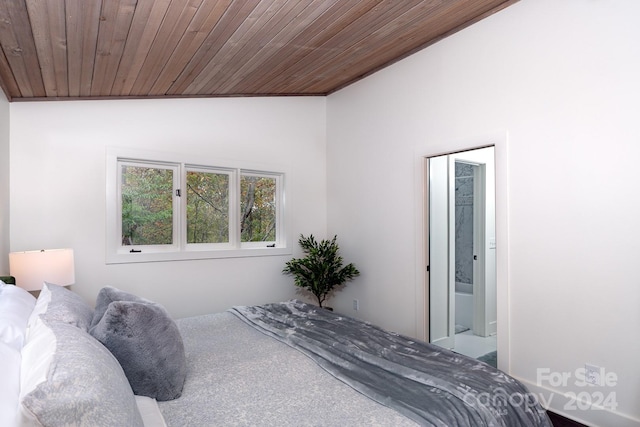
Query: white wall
559,81
58,152
4,184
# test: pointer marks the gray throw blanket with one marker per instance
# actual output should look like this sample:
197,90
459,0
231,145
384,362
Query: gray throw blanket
428,384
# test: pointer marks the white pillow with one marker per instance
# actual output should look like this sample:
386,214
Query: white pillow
16,306
9,385
37,355
41,306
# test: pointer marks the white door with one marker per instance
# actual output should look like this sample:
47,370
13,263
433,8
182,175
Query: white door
484,266
441,294
473,235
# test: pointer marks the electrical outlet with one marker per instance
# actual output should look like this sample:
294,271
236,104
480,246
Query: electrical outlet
591,374
356,305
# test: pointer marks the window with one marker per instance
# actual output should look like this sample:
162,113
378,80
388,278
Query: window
159,210
208,206
146,204
258,206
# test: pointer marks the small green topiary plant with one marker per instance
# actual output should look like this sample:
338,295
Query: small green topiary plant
321,270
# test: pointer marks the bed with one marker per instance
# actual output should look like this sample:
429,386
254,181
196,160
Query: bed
125,362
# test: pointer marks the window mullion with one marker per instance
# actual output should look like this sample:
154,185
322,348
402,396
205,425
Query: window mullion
176,205
279,211
234,209
180,188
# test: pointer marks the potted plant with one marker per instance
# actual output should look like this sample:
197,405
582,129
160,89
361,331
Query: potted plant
321,270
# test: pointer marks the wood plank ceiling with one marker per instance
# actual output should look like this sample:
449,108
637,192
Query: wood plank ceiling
70,49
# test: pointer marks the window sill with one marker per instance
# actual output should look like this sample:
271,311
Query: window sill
126,258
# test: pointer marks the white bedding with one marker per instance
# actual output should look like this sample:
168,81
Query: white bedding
239,376
149,411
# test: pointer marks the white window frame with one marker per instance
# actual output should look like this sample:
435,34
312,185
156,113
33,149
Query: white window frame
116,253
232,243
279,196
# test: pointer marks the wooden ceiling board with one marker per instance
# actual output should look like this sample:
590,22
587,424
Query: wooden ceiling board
257,48
250,24
82,38
199,29
423,24
48,23
408,31
308,45
250,50
270,51
228,21
147,18
100,49
217,44
9,86
174,25
115,22
344,44
19,48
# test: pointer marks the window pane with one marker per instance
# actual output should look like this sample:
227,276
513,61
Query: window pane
207,207
258,208
147,206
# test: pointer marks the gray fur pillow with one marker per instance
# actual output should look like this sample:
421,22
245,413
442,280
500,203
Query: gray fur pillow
148,345
106,296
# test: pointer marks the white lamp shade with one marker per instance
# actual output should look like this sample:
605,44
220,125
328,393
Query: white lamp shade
32,268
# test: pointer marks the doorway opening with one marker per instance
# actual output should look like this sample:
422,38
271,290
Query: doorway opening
461,263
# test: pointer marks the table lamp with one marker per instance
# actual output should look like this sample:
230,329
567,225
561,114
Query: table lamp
32,268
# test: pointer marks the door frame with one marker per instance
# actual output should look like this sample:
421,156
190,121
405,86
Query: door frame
500,140
445,241
480,326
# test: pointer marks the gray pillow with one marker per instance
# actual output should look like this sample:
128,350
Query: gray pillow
68,307
84,383
148,345
106,296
